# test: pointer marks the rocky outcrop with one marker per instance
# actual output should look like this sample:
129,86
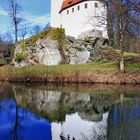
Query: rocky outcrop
90,49
45,52
90,46
76,52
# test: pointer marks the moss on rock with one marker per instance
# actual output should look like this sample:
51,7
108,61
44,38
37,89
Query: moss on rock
56,34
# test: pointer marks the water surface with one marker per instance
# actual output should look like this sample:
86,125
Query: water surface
70,112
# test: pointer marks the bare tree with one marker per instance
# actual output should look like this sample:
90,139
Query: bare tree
23,30
36,29
13,11
125,12
123,20
97,17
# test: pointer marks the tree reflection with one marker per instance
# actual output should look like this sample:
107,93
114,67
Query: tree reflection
124,119
17,123
121,125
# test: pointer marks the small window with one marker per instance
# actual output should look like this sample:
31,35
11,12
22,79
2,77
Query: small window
86,6
67,12
78,8
72,10
96,5
70,2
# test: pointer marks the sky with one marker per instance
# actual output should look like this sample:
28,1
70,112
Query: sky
36,12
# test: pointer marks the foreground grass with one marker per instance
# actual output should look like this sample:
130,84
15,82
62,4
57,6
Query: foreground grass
129,54
90,72
95,66
60,69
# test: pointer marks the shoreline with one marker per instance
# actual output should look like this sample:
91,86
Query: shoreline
78,78
75,88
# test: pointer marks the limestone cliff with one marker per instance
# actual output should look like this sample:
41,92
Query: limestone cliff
53,47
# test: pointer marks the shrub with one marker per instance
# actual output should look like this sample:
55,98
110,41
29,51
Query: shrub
19,58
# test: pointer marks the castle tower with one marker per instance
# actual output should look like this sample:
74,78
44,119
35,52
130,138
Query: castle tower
75,16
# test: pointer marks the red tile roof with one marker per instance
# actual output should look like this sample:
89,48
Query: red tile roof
68,3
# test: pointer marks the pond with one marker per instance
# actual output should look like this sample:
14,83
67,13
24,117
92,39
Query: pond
69,112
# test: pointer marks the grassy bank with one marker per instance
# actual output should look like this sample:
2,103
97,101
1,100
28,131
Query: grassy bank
97,72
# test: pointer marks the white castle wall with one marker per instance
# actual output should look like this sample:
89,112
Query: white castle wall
55,16
78,21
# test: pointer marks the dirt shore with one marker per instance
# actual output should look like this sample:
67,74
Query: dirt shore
79,77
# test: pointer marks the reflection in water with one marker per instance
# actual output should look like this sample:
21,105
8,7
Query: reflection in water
124,121
68,113
77,128
23,125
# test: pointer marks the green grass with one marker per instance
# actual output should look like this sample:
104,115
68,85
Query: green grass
68,73
64,69
132,67
129,54
59,69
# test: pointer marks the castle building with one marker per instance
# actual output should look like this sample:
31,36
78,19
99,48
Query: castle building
77,16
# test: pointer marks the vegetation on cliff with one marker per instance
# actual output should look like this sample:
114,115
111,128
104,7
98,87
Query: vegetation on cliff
56,34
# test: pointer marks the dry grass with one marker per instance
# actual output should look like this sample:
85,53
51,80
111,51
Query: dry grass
97,72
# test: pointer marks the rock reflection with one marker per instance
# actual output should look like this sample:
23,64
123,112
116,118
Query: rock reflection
69,112
73,116
54,105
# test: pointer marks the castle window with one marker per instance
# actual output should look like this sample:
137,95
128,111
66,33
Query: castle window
78,8
67,12
86,5
72,10
96,5
70,2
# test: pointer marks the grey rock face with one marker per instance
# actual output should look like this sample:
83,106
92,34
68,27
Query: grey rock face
90,33
76,52
90,46
21,64
45,51
89,49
